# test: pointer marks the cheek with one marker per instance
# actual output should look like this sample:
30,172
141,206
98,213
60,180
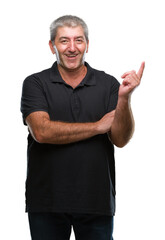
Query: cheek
82,47
61,48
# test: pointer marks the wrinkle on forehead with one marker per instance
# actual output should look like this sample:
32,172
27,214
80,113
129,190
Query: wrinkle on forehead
70,32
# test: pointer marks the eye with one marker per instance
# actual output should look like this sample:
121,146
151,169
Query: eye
64,41
79,41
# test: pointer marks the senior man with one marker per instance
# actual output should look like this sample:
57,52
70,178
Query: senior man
75,115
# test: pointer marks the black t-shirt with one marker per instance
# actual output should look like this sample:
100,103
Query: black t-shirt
77,177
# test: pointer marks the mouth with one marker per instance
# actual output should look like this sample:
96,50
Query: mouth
71,56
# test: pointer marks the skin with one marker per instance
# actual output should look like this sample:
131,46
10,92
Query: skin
123,125
71,42
118,124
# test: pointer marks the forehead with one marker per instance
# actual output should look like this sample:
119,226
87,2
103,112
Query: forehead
70,32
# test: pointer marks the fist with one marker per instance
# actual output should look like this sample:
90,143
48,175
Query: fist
130,81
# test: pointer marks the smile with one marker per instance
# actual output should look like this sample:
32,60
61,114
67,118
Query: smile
71,55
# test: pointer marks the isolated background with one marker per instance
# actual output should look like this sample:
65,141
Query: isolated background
122,35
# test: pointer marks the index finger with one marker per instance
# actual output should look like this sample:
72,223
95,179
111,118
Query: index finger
140,72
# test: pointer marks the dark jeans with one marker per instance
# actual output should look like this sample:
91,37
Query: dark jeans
57,226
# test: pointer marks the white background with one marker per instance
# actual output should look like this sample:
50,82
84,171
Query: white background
122,35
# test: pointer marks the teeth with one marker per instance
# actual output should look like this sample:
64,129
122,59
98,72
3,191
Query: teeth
71,55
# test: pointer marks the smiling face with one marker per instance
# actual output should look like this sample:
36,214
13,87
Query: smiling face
71,46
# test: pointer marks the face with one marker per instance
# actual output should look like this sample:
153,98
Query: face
71,46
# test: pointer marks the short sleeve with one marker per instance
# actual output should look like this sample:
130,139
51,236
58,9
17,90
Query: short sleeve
33,97
113,94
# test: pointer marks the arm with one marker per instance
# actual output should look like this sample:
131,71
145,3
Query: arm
44,130
123,125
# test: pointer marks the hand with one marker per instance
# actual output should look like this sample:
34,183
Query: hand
131,81
105,123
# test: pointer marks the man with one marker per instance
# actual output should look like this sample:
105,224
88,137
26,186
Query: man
75,115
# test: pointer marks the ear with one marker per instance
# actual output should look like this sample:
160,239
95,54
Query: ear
51,47
87,46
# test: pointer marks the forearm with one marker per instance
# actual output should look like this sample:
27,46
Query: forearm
64,133
43,130
123,125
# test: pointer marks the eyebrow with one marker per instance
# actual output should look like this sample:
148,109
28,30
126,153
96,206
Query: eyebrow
63,37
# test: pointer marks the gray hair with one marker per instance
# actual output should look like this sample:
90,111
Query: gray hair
69,21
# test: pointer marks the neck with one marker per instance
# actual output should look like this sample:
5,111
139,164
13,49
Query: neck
73,77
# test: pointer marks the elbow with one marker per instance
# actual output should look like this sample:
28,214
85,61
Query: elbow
38,136
39,139
38,126
121,141
120,144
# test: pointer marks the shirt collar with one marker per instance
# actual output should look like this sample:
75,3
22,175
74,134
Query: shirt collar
89,79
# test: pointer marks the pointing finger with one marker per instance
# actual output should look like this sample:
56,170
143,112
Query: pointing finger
140,72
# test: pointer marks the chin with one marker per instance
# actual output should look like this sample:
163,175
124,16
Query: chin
73,66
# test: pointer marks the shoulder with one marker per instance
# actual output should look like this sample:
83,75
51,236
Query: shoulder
37,80
104,78
38,76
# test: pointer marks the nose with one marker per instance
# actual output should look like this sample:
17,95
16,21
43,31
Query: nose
72,46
